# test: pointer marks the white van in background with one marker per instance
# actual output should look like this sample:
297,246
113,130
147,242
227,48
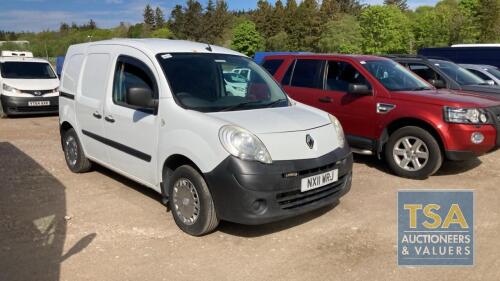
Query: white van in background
158,112
27,85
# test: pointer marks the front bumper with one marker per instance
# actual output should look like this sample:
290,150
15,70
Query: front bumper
250,192
459,145
19,105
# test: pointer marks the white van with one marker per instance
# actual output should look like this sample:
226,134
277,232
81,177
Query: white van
27,86
158,112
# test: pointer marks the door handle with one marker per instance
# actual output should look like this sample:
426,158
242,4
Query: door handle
109,119
97,115
326,99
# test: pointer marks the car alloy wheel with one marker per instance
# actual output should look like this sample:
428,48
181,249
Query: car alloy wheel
410,153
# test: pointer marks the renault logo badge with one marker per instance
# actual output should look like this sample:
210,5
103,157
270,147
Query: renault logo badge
309,141
37,93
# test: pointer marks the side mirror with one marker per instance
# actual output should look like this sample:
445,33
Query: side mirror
490,82
141,97
360,89
439,84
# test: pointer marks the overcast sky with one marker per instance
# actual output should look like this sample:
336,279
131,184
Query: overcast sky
37,15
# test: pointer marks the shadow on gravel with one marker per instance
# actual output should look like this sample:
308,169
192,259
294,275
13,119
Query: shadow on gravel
32,224
372,162
457,167
250,231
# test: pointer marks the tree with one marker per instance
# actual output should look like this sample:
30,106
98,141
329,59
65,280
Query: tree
246,38
290,23
263,18
489,20
351,7
159,18
64,27
162,33
342,36
385,29
149,17
222,20
327,10
176,22
208,23
192,20
401,4
277,42
308,25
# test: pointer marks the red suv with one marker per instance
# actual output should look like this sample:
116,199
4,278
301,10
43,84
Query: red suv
388,111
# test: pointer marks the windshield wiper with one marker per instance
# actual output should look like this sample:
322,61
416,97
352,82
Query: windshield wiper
423,88
239,105
275,102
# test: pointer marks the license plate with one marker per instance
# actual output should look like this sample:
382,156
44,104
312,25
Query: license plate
39,103
320,180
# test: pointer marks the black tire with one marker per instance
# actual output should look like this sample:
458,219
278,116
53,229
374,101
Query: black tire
2,113
206,220
81,164
428,167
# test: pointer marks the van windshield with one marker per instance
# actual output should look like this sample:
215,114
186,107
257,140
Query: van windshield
214,82
394,76
26,70
461,75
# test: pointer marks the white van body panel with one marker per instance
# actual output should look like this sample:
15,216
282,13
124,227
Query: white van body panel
173,130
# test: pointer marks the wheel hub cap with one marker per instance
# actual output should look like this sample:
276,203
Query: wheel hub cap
71,150
186,201
410,153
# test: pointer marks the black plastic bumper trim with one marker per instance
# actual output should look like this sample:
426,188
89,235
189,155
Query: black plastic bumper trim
66,95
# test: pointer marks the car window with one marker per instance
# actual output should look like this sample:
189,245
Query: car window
394,76
272,65
288,75
341,74
479,74
210,82
458,73
424,71
307,74
130,73
494,71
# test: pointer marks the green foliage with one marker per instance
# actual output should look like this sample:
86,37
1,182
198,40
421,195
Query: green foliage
401,4
162,33
341,36
488,15
385,29
246,38
149,17
278,42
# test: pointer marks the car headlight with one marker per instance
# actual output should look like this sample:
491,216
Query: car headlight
338,130
243,144
10,89
465,115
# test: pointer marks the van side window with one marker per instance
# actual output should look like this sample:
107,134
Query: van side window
130,73
307,74
479,74
341,74
288,75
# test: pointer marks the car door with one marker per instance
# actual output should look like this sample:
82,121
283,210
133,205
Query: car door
90,97
355,112
305,81
131,131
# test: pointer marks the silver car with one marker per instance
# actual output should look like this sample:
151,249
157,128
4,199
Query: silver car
488,73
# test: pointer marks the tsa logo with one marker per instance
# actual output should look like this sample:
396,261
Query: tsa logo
435,227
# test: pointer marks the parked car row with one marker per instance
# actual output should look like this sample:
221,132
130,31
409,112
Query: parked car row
220,138
388,111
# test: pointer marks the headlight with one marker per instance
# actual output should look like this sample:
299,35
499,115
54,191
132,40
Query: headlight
10,89
243,144
338,130
465,115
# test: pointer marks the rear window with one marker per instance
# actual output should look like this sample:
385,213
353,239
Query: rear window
26,70
307,74
272,65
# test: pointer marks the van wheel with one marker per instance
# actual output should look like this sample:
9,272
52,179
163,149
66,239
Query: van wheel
73,153
412,152
191,203
2,113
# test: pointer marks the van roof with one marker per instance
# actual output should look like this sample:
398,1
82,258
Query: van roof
22,59
156,46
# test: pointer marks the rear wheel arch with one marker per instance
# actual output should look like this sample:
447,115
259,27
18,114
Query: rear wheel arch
63,128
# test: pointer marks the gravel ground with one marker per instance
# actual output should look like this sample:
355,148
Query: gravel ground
55,225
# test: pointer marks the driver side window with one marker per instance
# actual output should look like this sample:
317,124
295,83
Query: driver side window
130,73
340,74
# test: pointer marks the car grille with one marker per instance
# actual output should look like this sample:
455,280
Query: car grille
37,92
295,199
495,112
